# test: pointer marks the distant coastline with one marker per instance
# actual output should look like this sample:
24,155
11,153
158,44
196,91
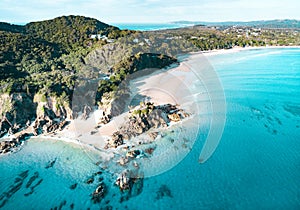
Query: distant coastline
238,49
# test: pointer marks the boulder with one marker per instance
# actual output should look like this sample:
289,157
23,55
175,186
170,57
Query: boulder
153,135
124,180
123,161
99,193
90,180
174,117
133,154
116,140
104,119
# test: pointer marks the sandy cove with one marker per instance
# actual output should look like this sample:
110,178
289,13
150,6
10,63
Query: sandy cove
164,86
170,85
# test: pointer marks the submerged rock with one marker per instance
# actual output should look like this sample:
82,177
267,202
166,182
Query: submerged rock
90,180
32,179
163,191
149,150
73,186
51,163
15,187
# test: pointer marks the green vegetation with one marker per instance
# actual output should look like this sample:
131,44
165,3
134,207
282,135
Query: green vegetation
210,38
69,32
129,66
144,109
49,57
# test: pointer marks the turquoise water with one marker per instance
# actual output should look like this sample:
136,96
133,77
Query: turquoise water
256,165
149,26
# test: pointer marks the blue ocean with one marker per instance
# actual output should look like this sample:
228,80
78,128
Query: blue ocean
149,26
255,166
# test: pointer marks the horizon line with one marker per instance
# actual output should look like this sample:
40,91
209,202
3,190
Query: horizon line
156,22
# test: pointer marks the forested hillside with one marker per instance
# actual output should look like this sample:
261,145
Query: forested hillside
43,61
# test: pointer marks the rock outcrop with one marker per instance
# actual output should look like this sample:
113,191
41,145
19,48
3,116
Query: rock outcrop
19,110
99,193
144,118
116,140
124,181
130,184
15,111
9,145
23,116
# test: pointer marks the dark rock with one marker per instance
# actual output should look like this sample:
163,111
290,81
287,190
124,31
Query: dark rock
63,124
51,128
144,118
93,132
24,174
51,164
130,184
23,109
133,154
99,193
137,187
98,173
5,196
90,180
116,140
7,146
63,203
32,179
163,191
15,188
124,180
106,208
33,187
104,119
73,186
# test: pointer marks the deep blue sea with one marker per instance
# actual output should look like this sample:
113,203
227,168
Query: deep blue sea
256,165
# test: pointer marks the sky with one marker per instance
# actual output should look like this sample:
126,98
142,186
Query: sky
150,11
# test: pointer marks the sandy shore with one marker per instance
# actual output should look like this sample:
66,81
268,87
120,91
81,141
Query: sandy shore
171,85
161,87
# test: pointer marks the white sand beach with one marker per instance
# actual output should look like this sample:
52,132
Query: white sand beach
172,85
165,86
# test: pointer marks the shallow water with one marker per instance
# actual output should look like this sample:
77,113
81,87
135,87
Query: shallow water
256,165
